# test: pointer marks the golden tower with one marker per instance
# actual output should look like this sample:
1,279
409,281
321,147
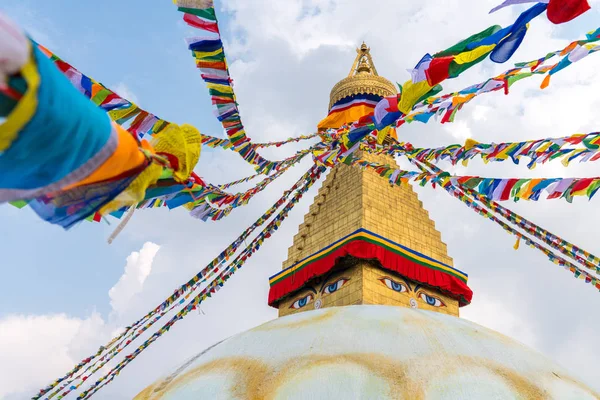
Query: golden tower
365,241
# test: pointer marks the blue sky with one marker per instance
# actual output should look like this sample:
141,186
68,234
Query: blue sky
285,56
120,43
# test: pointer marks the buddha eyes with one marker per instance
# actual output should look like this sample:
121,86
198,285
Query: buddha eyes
432,301
395,286
335,286
309,298
301,302
401,287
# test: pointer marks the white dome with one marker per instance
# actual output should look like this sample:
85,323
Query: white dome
369,352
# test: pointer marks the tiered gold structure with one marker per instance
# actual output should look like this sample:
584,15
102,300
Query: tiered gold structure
362,79
351,199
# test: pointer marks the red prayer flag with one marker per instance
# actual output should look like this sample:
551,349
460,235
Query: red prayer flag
63,66
582,184
110,98
560,11
199,23
438,70
508,188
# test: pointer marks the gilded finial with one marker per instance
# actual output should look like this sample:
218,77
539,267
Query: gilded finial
363,78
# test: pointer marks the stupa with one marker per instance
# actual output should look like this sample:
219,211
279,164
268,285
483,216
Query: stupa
369,303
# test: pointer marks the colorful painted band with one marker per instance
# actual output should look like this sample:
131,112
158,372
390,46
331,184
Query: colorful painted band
391,255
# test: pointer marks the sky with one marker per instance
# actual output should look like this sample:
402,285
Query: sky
64,293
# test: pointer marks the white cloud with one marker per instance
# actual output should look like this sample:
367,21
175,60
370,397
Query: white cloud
37,349
576,354
123,90
137,269
460,130
497,315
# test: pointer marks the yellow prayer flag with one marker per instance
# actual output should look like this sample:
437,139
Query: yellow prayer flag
470,56
517,243
411,93
470,143
382,134
201,54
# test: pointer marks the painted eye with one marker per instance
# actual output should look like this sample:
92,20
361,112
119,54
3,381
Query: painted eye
395,286
335,286
302,302
432,301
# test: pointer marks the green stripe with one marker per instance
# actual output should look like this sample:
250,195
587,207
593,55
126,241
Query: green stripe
100,96
206,13
220,57
19,203
215,92
461,46
409,257
403,255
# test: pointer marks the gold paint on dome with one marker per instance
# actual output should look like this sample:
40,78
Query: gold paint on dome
362,79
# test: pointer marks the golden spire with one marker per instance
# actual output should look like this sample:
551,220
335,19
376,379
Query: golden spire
362,79
363,64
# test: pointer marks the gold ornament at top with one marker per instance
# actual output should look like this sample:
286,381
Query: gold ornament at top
362,79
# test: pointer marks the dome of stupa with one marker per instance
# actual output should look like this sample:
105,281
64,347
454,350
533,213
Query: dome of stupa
362,79
368,352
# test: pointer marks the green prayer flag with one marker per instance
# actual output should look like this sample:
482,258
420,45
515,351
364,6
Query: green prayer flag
462,45
206,13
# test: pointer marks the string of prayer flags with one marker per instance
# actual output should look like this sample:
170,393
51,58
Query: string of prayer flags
559,11
471,202
447,105
119,109
213,287
539,151
212,63
567,265
210,206
498,189
499,43
583,257
143,123
49,207
132,332
289,140
438,176
496,42
285,164
502,189
85,166
418,102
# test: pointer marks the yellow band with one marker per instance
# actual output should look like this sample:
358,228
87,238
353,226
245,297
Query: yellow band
25,108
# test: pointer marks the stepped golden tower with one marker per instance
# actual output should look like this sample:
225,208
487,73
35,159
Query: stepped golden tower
370,247
356,202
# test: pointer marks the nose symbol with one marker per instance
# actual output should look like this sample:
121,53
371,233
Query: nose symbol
413,303
318,304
